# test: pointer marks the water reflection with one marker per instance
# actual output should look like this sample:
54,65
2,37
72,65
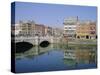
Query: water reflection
77,55
37,50
58,58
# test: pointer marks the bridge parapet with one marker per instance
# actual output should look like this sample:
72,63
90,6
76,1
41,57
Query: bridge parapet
37,40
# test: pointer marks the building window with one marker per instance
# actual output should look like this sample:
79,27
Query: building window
69,27
92,32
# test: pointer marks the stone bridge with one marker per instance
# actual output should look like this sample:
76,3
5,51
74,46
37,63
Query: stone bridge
37,40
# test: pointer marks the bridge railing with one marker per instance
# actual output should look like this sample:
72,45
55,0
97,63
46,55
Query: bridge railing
37,39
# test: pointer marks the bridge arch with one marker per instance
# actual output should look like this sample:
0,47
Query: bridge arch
44,43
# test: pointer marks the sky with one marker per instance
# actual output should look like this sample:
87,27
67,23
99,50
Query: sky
52,14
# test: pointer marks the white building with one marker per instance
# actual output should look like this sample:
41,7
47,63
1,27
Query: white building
70,27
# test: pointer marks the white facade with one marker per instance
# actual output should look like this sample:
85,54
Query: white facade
70,26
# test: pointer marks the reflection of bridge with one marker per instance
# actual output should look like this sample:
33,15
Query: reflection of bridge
35,51
37,40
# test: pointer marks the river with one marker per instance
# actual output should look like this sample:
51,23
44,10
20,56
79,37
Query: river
56,57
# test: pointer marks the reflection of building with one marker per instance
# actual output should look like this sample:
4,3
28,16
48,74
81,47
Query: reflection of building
80,55
70,27
86,30
69,54
85,56
70,57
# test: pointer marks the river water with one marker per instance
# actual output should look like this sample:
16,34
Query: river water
56,57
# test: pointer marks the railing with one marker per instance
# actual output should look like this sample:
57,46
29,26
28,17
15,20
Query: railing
36,40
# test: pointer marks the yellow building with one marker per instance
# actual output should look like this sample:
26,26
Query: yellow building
27,28
86,30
